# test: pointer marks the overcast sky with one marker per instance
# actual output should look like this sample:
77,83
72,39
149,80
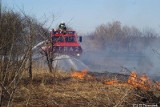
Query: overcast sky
85,15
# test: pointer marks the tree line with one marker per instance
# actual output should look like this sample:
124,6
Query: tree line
114,35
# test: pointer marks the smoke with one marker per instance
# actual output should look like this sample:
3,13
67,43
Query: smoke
152,65
141,57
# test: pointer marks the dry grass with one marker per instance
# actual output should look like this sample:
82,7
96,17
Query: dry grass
61,90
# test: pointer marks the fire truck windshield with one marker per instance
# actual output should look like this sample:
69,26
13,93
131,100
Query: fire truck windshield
62,39
58,39
70,39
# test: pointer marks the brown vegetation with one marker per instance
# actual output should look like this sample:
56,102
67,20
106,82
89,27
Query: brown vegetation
18,33
43,90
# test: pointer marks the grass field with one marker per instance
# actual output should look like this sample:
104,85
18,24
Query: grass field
62,90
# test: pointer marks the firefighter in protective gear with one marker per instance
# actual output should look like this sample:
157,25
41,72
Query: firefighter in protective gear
62,26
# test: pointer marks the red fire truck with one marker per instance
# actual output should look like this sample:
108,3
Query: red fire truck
66,43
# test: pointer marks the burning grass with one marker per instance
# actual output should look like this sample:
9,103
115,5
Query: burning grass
80,75
68,89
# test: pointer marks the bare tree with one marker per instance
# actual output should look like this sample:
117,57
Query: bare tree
18,33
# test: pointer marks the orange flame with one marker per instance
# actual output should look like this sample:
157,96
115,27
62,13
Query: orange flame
142,82
133,79
143,79
79,74
112,82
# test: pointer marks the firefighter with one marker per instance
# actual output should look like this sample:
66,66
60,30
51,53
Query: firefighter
53,31
62,26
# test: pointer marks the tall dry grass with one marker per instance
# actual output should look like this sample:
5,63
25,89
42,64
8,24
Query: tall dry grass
61,90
